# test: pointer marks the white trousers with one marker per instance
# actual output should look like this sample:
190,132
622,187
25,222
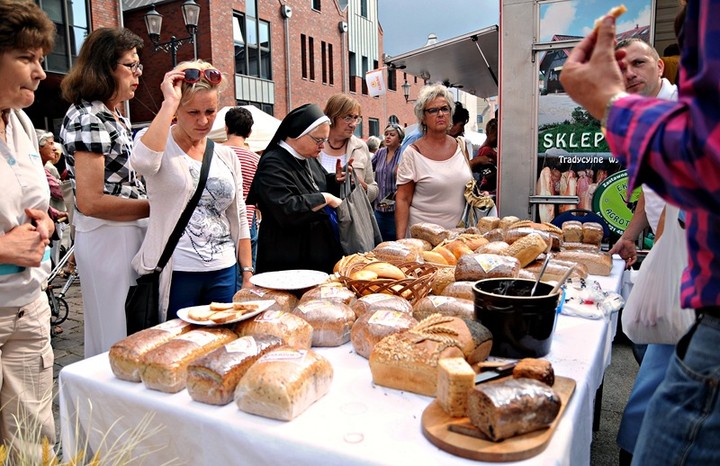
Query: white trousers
103,258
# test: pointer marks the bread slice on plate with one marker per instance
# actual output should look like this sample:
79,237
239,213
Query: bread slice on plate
220,306
200,313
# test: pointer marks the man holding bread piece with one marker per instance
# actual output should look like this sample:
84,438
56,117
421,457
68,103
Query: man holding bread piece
674,147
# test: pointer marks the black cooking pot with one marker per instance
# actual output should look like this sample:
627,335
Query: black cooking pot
522,326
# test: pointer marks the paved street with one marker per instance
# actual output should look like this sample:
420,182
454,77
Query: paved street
618,378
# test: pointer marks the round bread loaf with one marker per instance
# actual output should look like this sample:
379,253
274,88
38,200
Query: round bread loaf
380,302
331,321
376,325
330,292
285,300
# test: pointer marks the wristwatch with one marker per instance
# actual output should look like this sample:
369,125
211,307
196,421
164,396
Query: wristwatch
611,102
248,269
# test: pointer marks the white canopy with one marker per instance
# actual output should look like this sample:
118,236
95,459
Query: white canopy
264,127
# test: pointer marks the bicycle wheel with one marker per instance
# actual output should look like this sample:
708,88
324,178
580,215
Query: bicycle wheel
59,312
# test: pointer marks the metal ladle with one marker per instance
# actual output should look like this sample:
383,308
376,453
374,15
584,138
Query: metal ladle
542,271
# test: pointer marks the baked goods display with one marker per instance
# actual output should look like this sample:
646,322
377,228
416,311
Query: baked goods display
444,305
373,326
512,407
125,355
212,378
164,368
331,321
293,330
380,302
283,383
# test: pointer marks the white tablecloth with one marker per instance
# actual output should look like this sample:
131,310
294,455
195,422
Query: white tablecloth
356,423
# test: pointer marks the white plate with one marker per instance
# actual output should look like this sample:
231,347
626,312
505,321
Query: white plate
289,279
263,305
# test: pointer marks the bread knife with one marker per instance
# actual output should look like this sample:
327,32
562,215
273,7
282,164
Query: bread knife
497,372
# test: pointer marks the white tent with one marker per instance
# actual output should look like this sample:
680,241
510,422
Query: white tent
264,127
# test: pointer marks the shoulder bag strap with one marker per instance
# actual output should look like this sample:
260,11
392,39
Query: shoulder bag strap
189,208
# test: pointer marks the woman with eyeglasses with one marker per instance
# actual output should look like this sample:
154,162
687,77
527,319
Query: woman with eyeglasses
169,156
292,189
110,202
433,171
385,164
343,147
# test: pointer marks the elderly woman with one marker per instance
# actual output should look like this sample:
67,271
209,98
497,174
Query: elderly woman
169,156
343,147
50,155
385,164
291,189
26,36
433,171
97,139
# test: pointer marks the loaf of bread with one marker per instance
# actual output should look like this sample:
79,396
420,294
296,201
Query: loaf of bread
482,341
331,321
285,300
373,326
329,292
473,267
512,407
434,257
486,224
409,360
165,367
416,243
430,232
497,234
538,369
513,234
572,231
212,378
380,302
597,263
125,355
444,305
462,290
293,330
527,248
397,253
592,233
448,255
493,247
473,241
284,383
456,379
556,269
567,246
505,222
458,247
443,277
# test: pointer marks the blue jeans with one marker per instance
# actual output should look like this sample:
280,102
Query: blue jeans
682,422
197,288
386,223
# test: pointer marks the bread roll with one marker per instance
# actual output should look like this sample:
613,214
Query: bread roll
346,261
512,407
538,369
125,355
527,248
392,251
285,300
293,330
409,360
416,243
473,241
165,367
473,267
498,234
597,263
376,325
283,383
444,305
430,232
572,231
443,277
212,378
331,292
385,270
449,257
493,247
592,233
331,321
462,290
458,248
434,257
486,224
380,302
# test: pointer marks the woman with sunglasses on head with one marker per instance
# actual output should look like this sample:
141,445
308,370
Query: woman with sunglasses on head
385,164
169,156
291,189
111,203
343,147
433,171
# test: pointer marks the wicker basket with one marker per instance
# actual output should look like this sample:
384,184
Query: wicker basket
416,286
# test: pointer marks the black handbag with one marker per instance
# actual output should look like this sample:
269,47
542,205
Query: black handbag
358,227
142,304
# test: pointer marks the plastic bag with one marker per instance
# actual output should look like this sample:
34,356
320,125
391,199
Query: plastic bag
652,313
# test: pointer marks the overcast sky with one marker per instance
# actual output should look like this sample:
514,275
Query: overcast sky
407,23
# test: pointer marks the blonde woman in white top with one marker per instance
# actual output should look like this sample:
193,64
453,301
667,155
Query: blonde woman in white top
433,171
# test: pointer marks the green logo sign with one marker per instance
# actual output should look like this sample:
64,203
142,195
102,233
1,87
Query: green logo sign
611,203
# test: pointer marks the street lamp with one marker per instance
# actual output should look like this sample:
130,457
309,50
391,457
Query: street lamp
406,92
153,23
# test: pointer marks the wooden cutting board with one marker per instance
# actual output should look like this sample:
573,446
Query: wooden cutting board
435,427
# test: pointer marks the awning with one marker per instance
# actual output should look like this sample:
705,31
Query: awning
469,61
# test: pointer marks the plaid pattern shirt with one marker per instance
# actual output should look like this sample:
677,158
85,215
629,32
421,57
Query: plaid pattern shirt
674,147
91,127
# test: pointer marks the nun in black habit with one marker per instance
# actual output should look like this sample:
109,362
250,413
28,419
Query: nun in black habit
291,189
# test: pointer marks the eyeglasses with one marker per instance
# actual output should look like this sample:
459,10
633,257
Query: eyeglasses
135,68
352,119
318,141
211,75
436,110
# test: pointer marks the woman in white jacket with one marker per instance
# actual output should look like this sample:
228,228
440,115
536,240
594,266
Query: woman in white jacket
169,157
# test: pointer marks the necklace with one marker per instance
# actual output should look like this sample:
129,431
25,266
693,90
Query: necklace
337,148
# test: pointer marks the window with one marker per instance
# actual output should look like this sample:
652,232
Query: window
330,65
394,120
374,126
251,37
358,129
303,55
323,51
392,79
267,108
316,5
364,72
72,25
363,8
311,57
353,71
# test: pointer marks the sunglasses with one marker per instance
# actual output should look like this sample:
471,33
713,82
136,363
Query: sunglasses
211,75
